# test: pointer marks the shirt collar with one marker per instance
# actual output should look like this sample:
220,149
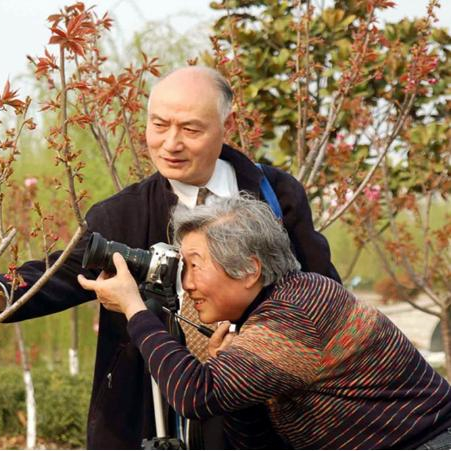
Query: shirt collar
222,183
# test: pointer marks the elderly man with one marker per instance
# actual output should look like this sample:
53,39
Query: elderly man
332,373
188,113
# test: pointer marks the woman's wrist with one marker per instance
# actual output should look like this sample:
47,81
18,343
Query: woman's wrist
134,307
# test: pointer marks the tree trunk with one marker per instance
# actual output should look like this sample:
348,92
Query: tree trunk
29,390
445,325
74,365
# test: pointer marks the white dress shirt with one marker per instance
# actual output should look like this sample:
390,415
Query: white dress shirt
222,183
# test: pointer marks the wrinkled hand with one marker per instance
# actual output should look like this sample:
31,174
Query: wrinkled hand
220,340
118,293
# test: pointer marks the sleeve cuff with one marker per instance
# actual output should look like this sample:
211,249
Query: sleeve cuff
141,324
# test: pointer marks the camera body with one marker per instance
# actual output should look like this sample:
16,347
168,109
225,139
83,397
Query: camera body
157,271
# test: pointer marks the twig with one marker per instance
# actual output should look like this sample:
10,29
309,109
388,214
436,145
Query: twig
15,151
109,159
354,261
238,88
426,228
398,286
139,169
319,150
394,229
302,110
44,242
400,122
315,150
100,139
65,148
6,240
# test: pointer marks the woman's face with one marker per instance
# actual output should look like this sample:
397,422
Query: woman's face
216,296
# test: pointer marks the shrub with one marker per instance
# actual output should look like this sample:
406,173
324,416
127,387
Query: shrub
61,405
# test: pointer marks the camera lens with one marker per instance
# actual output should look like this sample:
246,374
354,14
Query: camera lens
99,255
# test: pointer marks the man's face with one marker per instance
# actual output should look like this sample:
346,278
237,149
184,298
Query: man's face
184,129
216,296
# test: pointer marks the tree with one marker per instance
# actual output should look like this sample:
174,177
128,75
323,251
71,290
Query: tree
358,113
79,95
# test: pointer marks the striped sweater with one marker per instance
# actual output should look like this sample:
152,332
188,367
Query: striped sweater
329,371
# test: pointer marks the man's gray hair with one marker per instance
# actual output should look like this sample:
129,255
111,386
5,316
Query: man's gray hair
236,230
225,98
225,92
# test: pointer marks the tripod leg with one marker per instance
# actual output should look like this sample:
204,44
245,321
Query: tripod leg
158,410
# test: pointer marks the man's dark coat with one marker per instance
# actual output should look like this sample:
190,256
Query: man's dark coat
120,414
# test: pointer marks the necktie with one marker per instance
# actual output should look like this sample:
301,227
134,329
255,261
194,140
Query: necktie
195,341
202,195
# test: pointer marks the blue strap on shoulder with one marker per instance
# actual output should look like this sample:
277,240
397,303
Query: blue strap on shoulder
270,195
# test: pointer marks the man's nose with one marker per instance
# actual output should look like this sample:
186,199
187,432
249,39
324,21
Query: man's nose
173,140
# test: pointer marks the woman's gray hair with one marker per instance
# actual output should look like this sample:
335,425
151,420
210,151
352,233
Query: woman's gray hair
238,229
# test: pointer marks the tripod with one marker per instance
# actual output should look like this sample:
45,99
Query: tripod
163,300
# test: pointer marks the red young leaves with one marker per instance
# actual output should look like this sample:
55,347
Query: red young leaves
9,98
78,28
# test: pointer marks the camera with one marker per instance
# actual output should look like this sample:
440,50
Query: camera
157,270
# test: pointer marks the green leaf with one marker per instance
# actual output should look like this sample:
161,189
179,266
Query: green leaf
332,17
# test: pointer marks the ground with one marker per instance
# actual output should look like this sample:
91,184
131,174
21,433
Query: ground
19,442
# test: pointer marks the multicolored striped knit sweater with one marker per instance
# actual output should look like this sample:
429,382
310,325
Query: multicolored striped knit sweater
330,371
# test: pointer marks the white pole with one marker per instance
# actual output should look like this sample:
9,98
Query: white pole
31,410
29,391
74,367
158,410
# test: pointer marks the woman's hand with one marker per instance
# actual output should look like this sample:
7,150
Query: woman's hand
221,339
118,293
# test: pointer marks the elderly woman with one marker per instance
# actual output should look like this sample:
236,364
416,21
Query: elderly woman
329,371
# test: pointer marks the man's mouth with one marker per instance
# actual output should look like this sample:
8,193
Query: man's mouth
174,160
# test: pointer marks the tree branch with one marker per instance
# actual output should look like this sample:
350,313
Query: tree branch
398,286
6,240
302,110
46,275
406,263
139,169
65,146
396,129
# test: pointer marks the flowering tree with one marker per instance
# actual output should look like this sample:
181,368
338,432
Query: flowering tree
82,96
358,114
82,100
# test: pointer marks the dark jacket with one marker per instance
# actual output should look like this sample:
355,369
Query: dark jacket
121,413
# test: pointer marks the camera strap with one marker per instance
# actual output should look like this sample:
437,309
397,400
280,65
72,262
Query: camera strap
269,194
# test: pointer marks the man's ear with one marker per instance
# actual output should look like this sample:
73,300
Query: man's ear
254,278
228,122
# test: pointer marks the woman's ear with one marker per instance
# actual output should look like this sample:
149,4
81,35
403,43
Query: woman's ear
254,278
